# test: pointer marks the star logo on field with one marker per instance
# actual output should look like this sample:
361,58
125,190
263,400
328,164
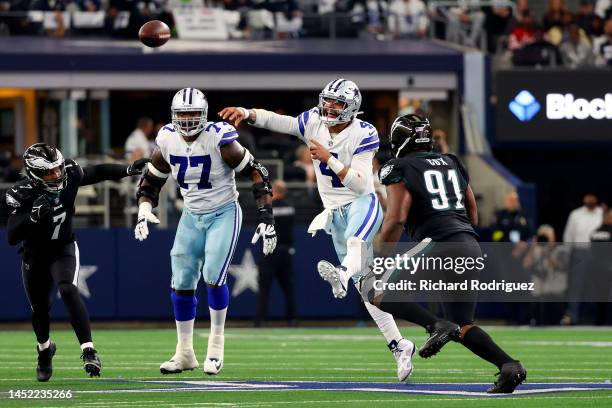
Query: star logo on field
85,271
245,274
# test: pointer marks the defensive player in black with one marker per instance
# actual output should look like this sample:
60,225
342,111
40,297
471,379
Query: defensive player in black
428,195
41,218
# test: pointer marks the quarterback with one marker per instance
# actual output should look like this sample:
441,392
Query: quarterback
342,148
202,157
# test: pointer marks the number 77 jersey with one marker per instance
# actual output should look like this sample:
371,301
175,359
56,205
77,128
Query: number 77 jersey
206,181
437,185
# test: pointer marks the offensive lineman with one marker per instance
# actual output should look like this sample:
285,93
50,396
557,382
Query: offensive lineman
43,206
352,213
429,195
202,157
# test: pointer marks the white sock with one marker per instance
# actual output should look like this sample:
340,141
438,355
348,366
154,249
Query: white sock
385,323
217,321
184,334
355,259
44,346
89,344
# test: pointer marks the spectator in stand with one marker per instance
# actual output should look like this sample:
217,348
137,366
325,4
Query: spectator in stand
581,223
510,223
539,53
370,16
304,162
408,19
576,51
464,23
497,20
140,143
556,14
602,46
586,15
603,8
523,33
440,141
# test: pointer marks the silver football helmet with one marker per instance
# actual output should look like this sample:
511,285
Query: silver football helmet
189,100
340,90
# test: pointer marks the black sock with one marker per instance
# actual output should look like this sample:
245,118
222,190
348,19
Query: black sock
79,318
41,322
480,343
411,311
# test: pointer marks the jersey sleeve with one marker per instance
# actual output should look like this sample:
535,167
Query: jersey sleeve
163,138
367,140
225,133
304,119
74,171
460,167
392,172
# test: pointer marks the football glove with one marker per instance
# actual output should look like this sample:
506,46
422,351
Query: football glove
265,229
136,168
145,215
40,209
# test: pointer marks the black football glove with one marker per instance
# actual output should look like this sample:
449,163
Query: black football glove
136,168
40,209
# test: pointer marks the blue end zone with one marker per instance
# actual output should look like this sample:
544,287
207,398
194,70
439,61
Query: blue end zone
445,389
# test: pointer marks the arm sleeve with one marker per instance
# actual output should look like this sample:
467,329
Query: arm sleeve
280,123
101,172
359,174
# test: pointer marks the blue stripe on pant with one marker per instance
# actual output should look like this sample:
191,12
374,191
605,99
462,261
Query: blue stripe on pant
362,219
204,245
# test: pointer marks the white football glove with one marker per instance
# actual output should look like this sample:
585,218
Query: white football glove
145,214
268,234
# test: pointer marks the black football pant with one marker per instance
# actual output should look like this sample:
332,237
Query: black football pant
276,265
41,272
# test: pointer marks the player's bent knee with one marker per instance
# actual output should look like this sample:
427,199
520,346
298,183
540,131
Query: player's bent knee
67,290
465,328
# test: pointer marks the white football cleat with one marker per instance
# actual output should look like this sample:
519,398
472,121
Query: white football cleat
214,355
183,360
332,275
403,352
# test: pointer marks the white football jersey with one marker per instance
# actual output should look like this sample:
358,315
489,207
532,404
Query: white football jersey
206,181
358,137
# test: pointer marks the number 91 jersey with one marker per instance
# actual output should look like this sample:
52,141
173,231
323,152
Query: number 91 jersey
206,181
437,184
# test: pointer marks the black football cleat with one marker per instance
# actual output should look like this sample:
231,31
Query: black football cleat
443,331
510,376
44,369
91,362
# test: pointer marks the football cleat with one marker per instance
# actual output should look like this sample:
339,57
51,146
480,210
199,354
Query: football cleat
442,332
332,275
510,376
403,352
44,369
183,360
91,362
214,355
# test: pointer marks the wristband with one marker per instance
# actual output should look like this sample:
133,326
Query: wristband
335,165
246,114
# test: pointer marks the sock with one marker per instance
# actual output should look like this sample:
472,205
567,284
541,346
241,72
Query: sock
480,343
44,346
218,300
184,315
410,311
88,344
385,322
354,261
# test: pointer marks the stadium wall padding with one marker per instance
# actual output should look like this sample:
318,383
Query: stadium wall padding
130,280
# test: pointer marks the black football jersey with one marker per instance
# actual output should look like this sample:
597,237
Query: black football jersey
58,229
437,184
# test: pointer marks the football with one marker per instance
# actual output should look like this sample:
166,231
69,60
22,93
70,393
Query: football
154,33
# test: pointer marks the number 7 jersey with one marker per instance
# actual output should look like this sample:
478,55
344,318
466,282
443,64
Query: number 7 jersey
206,181
437,184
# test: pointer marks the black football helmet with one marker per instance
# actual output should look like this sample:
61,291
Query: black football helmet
39,159
410,133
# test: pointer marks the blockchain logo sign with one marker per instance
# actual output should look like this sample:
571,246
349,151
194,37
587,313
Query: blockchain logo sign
524,106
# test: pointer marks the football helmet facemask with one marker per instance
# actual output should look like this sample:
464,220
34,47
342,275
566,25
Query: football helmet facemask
410,133
39,160
339,90
189,111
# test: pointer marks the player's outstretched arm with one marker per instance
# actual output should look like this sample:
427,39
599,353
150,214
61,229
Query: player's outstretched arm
263,119
101,172
399,202
153,179
243,163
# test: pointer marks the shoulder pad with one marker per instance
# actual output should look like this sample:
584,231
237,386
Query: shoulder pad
22,193
367,138
459,165
223,132
164,132
392,172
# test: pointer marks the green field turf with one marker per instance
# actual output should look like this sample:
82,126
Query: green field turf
346,354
